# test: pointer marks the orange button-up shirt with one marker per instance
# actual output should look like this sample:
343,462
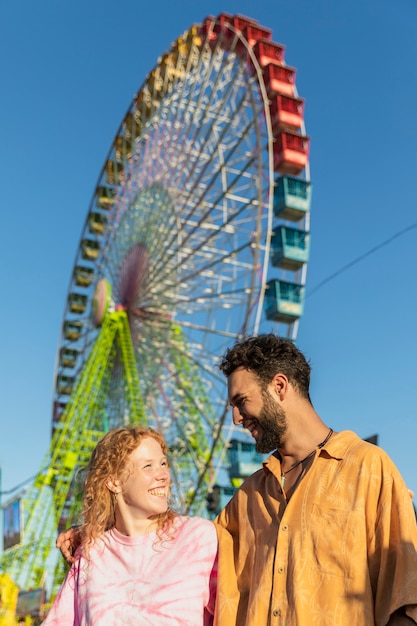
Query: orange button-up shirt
341,552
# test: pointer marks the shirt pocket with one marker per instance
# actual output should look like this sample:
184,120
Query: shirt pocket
334,540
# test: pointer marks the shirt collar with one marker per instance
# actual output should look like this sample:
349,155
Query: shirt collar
335,448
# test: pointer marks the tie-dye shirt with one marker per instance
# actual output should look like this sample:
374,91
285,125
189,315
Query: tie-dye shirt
139,581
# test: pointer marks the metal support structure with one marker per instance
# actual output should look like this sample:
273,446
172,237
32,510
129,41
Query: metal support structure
52,498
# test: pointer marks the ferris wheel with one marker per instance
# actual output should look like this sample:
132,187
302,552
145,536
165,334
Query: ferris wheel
180,230
197,234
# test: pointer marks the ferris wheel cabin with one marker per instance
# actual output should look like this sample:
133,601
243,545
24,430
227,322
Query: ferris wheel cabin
90,249
284,301
267,51
292,198
77,302
83,276
289,248
65,385
105,197
243,460
68,357
290,152
72,330
287,112
97,223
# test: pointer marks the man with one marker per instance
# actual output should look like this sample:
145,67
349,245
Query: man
325,533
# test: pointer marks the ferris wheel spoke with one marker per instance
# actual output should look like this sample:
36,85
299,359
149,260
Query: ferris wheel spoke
208,133
201,219
185,103
204,164
206,109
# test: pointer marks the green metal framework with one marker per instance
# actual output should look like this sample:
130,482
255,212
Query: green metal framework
51,503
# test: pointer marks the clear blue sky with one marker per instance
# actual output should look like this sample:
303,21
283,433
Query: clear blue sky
68,73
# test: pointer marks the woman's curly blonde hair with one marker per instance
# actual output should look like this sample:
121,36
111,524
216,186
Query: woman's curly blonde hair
109,460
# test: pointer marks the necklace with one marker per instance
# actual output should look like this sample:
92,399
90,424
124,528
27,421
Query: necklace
323,443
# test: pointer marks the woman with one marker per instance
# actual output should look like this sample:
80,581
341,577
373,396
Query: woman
139,563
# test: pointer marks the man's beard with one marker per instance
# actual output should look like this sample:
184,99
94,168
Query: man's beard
273,422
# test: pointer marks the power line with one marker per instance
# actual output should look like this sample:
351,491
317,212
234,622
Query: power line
360,258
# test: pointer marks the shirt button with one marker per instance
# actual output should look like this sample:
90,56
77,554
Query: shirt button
281,570
285,527
276,613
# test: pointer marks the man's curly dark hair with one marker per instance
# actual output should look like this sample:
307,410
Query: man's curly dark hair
267,355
